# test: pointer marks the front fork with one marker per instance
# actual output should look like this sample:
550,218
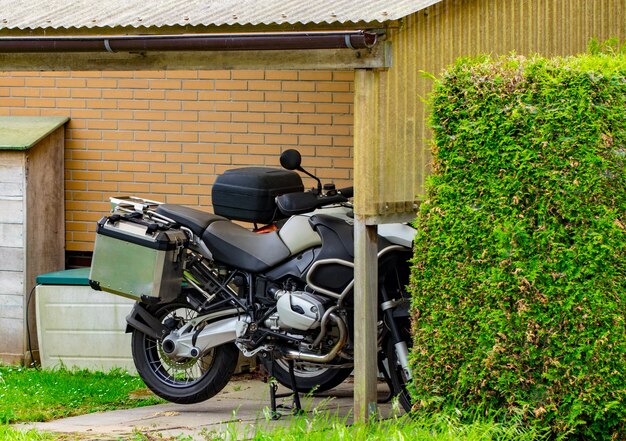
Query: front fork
402,351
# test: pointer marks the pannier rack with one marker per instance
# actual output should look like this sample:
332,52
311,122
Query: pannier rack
134,204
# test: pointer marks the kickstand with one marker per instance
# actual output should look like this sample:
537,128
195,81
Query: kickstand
297,408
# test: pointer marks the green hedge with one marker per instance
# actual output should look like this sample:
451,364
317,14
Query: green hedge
519,279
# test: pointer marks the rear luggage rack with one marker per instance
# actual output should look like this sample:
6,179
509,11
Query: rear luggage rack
133,203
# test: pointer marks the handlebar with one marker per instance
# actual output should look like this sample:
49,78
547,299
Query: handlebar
297,203
347,192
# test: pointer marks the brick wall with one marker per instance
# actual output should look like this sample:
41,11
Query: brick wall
166,135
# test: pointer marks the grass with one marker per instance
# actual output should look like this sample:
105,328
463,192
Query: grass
9,434
28,394
440,427
324,425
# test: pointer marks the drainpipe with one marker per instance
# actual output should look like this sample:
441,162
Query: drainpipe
196,42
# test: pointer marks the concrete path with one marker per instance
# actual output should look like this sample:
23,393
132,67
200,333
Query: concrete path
240,408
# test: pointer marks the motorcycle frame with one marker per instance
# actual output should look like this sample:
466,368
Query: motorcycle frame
236,305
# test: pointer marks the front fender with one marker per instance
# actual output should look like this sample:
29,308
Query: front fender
403,310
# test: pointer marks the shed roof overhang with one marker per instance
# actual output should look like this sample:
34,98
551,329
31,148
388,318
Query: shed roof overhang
119,19
80,15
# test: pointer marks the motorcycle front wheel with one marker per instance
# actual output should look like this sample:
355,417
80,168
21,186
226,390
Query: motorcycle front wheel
308,378
183,380
399,381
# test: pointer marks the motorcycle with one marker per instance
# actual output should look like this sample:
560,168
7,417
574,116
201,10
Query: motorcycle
208,288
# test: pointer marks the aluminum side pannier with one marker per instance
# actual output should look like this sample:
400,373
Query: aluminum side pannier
138,258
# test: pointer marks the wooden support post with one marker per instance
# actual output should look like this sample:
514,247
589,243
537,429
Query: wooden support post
365,319
366,125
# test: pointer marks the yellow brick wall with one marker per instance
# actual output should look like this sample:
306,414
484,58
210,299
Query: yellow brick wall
165,135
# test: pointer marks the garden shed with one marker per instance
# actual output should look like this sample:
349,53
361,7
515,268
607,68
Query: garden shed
163,96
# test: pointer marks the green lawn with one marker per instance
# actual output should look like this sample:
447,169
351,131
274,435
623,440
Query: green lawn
42,395
9,434
33,395
440,427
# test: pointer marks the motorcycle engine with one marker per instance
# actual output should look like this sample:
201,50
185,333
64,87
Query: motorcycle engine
296,310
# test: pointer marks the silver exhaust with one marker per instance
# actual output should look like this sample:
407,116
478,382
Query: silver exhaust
317,358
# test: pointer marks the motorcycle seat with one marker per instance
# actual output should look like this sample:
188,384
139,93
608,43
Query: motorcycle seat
235,246
196,220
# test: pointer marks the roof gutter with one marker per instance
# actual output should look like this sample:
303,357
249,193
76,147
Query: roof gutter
196,42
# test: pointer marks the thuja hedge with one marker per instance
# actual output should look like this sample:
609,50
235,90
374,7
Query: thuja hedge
519,279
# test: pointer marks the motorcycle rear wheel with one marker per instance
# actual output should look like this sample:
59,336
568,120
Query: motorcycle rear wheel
183,381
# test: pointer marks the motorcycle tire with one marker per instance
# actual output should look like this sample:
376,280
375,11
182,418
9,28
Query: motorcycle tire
308,379
396,374
183,381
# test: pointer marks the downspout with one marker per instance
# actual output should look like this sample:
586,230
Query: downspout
196,42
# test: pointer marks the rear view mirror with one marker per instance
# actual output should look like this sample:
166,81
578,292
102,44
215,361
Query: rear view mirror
291,159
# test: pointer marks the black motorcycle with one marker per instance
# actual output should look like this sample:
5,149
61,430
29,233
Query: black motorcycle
208,288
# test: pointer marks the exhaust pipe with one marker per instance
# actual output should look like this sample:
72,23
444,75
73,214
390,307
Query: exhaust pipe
317,358
224,331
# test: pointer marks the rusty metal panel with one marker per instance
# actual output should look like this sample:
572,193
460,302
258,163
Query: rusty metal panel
90,14
397,147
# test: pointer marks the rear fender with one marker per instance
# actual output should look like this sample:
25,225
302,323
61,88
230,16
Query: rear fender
142,320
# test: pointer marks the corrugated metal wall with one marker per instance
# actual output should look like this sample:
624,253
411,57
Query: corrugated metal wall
389,165
432,39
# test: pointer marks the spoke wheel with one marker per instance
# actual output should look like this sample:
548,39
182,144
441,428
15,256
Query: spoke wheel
398,377
308,378
182,379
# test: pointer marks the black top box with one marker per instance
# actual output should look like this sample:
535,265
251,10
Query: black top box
247,194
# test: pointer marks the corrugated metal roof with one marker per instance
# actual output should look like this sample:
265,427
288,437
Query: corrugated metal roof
53,14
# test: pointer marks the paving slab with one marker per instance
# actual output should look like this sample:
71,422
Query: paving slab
238,410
